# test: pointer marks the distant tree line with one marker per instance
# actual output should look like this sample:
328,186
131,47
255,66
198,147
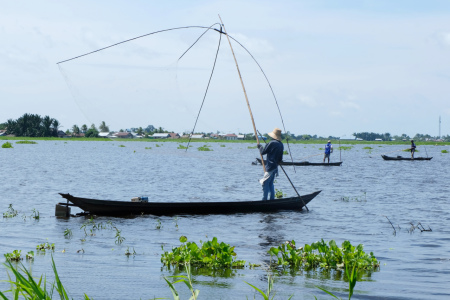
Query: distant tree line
31,125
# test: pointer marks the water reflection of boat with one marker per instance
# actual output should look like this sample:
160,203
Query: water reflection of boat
108,207
305,163
385,157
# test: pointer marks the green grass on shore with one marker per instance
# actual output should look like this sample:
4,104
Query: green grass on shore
314,142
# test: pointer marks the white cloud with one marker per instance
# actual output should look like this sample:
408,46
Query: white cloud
349,104
308,101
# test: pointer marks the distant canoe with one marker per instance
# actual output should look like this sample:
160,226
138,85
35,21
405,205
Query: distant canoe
305,163
111,208
404,158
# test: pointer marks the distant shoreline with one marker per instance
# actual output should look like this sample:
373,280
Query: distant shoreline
335,142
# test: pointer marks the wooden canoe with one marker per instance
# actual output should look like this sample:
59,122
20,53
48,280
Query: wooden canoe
109,207
404,158
305,163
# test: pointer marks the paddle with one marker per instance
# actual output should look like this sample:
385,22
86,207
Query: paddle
304,204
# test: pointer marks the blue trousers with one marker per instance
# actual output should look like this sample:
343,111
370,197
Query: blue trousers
269,188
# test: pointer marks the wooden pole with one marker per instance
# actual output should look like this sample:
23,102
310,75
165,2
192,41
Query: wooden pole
245,93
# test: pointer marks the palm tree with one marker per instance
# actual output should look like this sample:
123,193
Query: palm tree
103,127
83,128
46,126
55,125
75,129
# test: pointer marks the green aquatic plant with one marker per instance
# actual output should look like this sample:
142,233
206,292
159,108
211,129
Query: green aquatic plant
13,256
252,147
7,145
148,148
444,151
222,146
368,148
344,148
45,246
26,142
266,295
35,214
181,147
30,255
352,278
158,145
362,198
10,213
323,255
27,287
210,254
158,224
285,152
121,145
279,194
68,233
128,252
204,148
119,237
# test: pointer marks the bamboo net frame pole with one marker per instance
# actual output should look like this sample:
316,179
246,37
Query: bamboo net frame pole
245,93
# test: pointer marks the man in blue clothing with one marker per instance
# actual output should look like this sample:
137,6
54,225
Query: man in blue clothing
328,151
413,149
274,150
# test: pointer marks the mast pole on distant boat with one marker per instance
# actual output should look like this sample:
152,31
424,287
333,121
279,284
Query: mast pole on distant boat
245,93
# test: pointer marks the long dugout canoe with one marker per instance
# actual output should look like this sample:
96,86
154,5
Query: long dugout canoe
306,163
109,207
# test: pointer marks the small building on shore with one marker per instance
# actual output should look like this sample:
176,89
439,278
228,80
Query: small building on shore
173,135
123,135
231,136
160,136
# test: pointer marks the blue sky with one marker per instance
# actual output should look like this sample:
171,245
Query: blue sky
336,67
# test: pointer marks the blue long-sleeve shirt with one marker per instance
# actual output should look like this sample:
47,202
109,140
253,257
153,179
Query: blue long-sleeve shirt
274,150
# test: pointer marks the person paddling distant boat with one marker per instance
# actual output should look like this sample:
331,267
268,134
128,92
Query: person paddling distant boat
328,151
413,149
274,150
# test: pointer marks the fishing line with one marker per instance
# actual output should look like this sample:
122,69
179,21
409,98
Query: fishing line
135,38
73,91
207,28
207,87
273,93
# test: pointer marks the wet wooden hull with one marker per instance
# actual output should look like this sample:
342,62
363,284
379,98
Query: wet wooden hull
306,163
404,158
108,207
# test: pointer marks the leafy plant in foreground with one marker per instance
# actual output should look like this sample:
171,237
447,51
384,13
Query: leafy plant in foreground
444,151
181,147
187,280
210,254
266,295
26,287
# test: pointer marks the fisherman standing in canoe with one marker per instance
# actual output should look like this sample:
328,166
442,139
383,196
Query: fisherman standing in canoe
328,151
274,150
413,149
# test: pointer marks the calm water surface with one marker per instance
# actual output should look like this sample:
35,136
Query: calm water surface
355,201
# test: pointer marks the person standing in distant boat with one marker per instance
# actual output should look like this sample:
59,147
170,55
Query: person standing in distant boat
274,150
413,149
328,151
